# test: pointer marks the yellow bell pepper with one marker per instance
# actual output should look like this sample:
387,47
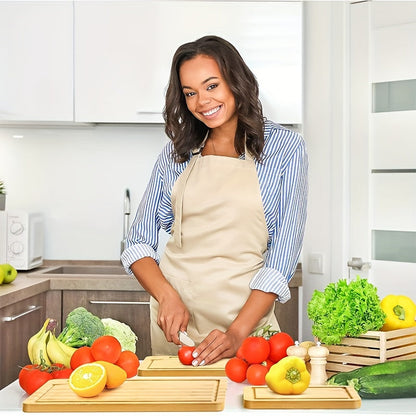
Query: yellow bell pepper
288,376
400,312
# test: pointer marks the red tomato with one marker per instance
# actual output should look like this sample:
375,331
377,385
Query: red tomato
62,373
81,356
129,362
236,369
185,355
24,372
255,350
31,377
256,374
106,348
278,346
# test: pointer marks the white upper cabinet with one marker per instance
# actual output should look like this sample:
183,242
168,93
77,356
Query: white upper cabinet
36,70
123,52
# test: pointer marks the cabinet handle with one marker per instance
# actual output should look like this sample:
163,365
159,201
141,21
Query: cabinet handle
31,309
148,112
118,302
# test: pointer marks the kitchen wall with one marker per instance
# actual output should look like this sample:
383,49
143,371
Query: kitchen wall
77,177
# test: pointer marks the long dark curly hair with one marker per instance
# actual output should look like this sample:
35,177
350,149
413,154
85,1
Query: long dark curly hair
186,131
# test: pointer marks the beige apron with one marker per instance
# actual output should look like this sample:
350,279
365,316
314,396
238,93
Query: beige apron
217,245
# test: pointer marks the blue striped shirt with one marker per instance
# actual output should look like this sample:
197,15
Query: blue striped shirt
282,174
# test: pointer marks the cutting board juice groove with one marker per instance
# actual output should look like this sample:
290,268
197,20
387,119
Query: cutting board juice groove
167,365
314,397
165,394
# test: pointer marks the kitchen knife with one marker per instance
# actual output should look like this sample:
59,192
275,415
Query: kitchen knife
185,339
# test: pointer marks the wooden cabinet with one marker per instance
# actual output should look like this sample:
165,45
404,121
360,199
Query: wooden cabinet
18,322
123,52
129,307
36,72
287,314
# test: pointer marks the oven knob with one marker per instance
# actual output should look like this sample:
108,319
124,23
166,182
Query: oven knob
16,247
16,228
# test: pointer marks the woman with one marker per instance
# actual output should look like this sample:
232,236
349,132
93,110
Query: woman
231,190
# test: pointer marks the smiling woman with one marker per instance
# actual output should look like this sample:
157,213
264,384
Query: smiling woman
230,187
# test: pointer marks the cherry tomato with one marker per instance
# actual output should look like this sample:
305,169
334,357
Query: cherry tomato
106,348
31,377
185,355
278,346
81,356
256,374
236,369
129,362
255,350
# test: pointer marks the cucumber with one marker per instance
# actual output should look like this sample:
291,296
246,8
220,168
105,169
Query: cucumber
388,367
386,386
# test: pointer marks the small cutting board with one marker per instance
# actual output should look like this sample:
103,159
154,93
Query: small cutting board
167,365
162,394
314,397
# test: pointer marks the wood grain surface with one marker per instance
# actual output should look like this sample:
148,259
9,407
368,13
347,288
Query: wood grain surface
166,365
314,397
138,394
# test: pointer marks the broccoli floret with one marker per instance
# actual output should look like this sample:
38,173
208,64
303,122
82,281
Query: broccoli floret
81,329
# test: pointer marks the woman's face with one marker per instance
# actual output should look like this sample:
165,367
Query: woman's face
207,94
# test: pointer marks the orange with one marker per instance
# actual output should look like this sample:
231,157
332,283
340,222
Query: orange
88,380
115,374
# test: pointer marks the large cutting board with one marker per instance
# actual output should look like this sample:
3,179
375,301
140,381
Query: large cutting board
164,394
166,365
314,397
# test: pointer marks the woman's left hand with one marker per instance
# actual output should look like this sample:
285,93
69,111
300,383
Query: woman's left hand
216,346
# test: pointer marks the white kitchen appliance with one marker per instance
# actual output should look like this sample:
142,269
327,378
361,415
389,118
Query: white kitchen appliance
21,239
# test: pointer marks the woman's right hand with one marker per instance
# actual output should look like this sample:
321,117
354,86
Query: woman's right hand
173,316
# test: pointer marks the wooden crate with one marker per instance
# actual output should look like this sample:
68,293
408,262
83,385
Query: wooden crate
371,348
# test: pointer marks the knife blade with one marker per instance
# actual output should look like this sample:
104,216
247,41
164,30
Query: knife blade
185,339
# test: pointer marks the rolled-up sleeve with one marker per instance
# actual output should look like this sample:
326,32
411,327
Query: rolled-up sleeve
286,237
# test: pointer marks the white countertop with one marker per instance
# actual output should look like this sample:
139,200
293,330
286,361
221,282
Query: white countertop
12,397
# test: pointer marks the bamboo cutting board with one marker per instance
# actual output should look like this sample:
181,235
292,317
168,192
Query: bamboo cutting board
163,394
314,397
166,365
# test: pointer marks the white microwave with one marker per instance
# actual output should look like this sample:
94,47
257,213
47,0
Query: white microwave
21,239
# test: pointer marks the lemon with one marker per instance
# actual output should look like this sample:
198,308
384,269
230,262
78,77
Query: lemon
88,380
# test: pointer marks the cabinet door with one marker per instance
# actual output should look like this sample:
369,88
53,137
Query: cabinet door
36,70
18,322
132,308
287,314
123,52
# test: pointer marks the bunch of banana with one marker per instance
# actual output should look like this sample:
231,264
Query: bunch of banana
44,349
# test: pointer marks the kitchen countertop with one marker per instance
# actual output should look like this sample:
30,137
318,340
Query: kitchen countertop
12,397
31,283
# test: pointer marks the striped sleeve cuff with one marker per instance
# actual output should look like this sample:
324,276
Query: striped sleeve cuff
270,280
136,252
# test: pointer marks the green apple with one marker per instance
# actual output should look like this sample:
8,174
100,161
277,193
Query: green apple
2,275
9,273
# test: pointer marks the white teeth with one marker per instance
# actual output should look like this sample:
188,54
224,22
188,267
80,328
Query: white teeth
210,112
